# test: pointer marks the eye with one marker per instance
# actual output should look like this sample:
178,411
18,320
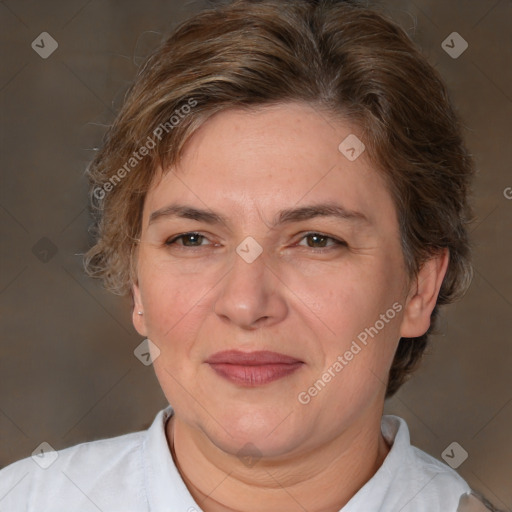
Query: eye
319,241
187,239
313,240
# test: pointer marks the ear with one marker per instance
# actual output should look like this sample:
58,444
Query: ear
423,295
139,321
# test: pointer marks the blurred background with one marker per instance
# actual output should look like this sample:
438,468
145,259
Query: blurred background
68,373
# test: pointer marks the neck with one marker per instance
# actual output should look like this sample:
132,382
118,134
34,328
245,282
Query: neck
322,480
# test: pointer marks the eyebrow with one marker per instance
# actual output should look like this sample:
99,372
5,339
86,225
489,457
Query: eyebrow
285,216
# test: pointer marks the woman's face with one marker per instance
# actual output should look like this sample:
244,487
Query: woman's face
254,276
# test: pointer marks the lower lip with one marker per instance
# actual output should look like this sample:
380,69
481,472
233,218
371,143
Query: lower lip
252,376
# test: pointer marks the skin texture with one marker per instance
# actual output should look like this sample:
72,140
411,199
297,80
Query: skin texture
305,297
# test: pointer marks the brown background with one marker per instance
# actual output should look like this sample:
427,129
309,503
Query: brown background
67,369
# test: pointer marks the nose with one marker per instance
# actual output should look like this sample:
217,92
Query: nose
251,294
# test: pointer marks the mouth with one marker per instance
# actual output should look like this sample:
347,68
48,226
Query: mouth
251,369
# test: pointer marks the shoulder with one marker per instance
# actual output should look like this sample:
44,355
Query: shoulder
83,477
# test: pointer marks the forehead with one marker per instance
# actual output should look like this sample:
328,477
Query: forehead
271,158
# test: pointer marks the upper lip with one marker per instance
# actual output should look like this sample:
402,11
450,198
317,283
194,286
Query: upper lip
257,358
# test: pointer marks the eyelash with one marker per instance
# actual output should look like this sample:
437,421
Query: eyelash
172,241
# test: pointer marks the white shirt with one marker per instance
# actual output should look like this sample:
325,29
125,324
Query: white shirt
136,473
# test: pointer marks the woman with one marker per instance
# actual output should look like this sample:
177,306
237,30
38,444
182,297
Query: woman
284,195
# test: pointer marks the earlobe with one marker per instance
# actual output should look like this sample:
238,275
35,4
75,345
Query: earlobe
423,295
138,319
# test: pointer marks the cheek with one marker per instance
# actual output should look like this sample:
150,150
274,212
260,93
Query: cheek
353,313
347,296
172,299
337,299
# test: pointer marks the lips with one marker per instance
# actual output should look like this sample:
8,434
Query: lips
262,357
253,368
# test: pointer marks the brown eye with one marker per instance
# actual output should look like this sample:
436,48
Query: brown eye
320,241
187,239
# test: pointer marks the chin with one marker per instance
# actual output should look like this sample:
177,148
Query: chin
261,431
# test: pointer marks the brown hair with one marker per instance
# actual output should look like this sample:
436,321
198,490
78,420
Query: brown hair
345,59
